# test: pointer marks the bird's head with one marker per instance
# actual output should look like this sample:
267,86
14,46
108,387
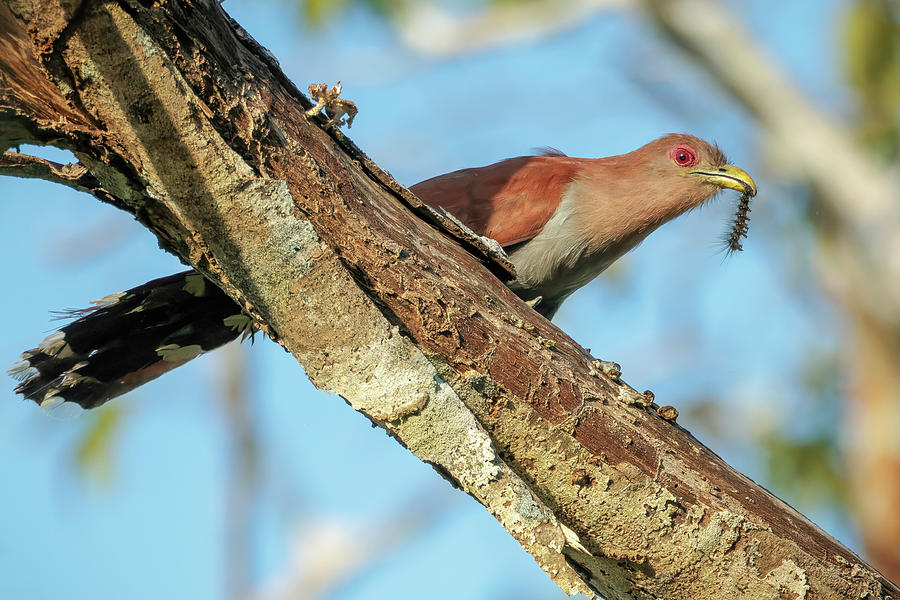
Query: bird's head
643,189
702,165
671,175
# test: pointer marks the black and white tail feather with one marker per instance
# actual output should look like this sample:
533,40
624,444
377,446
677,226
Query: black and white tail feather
127,339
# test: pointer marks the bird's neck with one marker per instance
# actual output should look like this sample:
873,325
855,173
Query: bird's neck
618,205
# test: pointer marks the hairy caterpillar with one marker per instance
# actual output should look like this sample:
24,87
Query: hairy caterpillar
741,225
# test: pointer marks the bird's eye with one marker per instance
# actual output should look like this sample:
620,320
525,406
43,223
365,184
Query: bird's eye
683,156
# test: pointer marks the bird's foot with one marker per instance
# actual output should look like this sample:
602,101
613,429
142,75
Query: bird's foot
534,301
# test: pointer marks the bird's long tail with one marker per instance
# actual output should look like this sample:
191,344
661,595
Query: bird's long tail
127,339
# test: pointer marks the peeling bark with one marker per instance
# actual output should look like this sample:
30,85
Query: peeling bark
179,117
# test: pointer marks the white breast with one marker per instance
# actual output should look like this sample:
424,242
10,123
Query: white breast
552,263
557,262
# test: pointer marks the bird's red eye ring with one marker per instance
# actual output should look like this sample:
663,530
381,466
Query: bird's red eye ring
683,155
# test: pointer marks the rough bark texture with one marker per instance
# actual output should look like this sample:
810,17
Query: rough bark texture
182,119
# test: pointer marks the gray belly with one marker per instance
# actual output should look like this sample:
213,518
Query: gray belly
553,269
553,278
557,261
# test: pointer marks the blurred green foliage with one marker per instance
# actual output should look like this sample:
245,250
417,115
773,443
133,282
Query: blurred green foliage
316,12
809,471
871,36
803,457
93,451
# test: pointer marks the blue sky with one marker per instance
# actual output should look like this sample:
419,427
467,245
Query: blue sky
681,320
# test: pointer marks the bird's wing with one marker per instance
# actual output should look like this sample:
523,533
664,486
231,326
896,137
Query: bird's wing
509,201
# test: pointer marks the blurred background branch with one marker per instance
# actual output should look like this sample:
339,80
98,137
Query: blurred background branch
242,477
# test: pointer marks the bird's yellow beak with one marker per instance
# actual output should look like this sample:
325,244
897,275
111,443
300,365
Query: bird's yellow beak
729,176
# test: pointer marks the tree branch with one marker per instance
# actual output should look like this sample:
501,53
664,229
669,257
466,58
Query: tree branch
194,128
74,175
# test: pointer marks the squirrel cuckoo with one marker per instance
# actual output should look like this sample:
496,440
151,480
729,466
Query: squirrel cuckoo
561,220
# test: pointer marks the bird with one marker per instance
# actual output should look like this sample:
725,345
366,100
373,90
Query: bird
561,220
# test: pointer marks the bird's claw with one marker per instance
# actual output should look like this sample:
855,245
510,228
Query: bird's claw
534,301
